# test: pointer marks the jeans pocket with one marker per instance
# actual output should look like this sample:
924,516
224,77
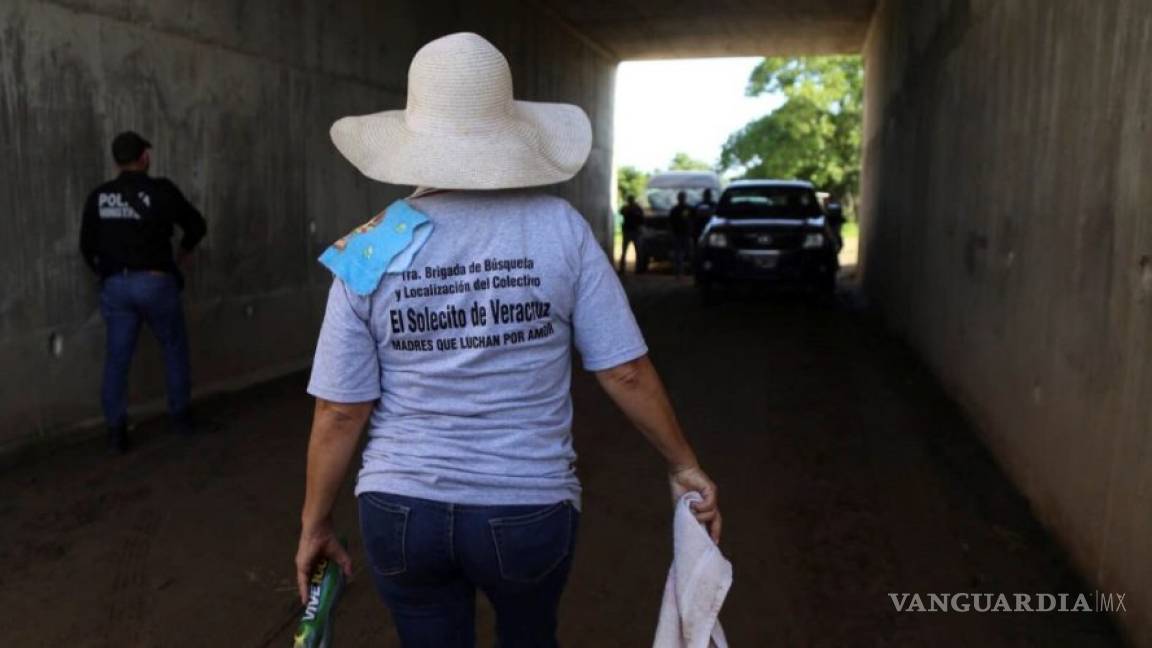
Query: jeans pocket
384,526
529,547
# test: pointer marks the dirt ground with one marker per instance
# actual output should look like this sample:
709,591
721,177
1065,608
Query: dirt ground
845,474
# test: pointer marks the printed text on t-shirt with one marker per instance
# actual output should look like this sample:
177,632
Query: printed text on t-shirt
409,324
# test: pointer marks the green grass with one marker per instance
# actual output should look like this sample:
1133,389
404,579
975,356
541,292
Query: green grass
851,229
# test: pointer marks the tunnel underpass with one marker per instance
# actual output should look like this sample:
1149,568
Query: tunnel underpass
1005,239
846,474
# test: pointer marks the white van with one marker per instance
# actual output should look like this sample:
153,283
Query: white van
655,237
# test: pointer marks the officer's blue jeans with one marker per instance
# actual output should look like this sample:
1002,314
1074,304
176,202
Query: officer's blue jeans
428,559
126,301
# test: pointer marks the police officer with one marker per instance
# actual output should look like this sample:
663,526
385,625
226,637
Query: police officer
704,211
125,238
680,222
633,215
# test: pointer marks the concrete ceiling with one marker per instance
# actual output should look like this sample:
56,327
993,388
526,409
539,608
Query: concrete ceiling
649,29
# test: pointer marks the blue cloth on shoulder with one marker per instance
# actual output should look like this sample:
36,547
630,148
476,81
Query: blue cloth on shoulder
385,244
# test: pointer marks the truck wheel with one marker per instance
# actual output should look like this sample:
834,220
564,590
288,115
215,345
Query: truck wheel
828,285
707,289
826,289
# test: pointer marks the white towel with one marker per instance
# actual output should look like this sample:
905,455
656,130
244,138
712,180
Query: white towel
697,584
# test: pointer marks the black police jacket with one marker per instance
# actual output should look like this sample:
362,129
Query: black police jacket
128,225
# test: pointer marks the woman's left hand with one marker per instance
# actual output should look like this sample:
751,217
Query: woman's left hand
316,543
707,511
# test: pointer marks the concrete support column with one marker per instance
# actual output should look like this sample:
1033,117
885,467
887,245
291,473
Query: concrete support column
1006,235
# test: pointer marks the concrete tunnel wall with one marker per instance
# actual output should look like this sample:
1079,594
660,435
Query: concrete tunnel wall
237,97
1006,197
1005,205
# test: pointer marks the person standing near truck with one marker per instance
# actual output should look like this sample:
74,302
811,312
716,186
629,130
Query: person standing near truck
125,238
680,224
633,215
703,213
705,210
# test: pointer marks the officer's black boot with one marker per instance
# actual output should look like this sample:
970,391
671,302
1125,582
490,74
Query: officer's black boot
182,424
118,441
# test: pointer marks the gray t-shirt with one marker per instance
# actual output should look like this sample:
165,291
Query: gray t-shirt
469,351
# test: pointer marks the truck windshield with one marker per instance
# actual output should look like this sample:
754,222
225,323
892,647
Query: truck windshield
769,202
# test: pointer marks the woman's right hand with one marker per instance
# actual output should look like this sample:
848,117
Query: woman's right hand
316,543
707,511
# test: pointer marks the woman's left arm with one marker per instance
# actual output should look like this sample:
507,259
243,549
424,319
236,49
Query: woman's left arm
336,429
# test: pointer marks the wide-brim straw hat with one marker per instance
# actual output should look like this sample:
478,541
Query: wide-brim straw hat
462,129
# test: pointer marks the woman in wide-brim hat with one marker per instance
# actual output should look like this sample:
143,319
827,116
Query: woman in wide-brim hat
448,335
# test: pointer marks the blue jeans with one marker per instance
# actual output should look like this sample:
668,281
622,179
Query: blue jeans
428,558
126,301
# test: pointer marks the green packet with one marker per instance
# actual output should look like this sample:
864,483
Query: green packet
324,590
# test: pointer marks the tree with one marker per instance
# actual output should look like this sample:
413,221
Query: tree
630,181
815,134
684,162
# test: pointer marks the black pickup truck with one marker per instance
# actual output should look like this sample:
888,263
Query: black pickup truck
769,231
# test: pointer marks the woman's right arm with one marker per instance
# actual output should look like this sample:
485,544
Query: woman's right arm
336,430
636,389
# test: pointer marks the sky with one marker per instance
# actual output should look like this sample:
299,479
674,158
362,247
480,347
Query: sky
652,124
